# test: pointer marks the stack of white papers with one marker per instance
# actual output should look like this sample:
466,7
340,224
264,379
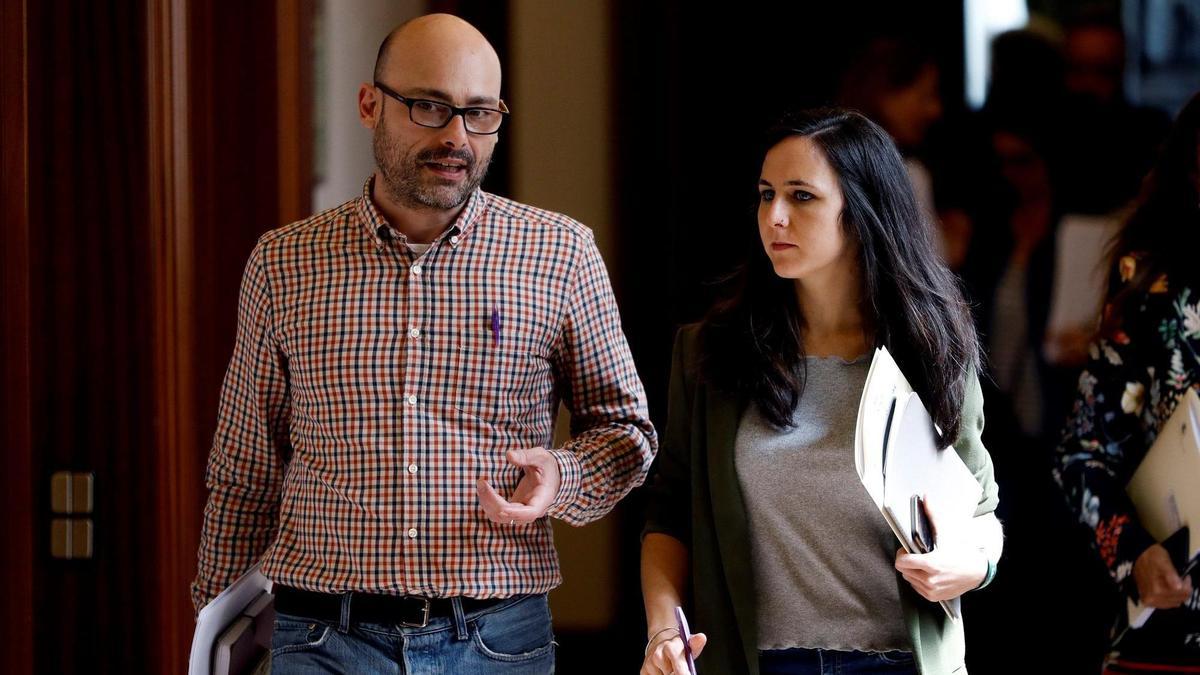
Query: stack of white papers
240,614
885,384
897,456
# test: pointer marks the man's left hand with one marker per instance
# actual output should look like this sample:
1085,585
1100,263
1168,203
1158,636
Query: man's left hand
534,495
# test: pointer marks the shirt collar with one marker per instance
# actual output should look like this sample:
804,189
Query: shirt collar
378,229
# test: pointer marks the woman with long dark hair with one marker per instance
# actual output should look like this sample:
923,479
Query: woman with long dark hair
1146,357
758,522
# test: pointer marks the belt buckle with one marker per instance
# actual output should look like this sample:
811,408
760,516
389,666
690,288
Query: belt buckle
424,614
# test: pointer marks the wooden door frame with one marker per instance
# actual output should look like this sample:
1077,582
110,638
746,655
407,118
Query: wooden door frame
170,223
175,270
177,492
294,56
16,528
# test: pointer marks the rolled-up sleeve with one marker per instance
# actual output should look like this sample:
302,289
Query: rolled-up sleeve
613,441
250,447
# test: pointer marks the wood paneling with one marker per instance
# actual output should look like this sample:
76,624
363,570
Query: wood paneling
233,88
294,84
16,529
170,254
90,310
142,159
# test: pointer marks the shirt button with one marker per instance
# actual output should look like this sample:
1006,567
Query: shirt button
412,468
412,533
454,239
415,333
412,399
416,269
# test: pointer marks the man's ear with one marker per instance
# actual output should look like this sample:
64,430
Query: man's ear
370,105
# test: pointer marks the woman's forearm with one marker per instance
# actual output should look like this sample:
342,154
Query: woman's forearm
665,562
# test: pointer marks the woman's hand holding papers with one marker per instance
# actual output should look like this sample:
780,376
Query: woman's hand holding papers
944,573
1158,582
957,564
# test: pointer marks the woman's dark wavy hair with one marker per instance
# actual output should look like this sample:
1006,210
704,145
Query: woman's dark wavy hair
751,342
1164,228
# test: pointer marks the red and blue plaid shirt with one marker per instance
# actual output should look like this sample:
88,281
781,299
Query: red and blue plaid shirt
370,387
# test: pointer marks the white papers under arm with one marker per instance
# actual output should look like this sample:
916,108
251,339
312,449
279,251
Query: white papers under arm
885,384
914,465
222,611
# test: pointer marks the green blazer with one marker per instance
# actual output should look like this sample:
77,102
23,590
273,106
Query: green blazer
694,496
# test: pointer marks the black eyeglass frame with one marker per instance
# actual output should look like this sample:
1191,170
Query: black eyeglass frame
454,111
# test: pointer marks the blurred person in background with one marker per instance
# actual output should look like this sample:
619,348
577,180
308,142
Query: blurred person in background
1146,357
1011,273
896,82
998,167
1105,143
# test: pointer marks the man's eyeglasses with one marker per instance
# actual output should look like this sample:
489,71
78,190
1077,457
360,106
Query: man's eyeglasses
435,114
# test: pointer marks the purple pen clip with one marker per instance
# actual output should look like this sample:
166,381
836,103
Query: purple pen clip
496,325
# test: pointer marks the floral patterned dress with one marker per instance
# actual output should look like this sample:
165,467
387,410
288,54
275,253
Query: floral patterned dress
1126,392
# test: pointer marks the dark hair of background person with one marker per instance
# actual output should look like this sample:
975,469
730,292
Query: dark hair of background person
885,65
1164,228
751,341
1095,55
896,83
1026,86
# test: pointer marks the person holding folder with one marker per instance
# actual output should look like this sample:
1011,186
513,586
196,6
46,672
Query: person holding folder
1146,356
757,520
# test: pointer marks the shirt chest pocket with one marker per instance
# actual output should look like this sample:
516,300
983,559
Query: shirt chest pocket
499,379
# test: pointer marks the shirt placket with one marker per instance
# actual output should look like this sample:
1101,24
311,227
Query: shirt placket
413,521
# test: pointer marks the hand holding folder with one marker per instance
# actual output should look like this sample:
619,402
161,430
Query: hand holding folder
233,631
1162,573
942,571
1163,491
899,459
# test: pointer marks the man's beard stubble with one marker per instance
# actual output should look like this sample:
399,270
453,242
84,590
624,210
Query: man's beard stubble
403,180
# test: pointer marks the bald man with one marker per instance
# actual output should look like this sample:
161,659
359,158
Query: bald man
383,435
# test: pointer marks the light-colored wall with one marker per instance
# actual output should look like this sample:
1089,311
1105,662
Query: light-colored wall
348,33
559,85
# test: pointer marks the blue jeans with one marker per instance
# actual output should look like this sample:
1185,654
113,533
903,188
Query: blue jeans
513,637
830,662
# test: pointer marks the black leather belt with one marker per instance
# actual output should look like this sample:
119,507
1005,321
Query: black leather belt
406,610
